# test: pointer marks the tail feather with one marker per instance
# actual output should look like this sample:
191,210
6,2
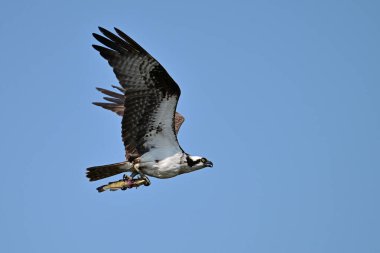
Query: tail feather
100,172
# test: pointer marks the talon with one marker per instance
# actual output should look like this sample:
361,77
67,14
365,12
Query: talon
136,171
147,181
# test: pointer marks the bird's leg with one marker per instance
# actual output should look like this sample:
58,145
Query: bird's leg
133,174
136,170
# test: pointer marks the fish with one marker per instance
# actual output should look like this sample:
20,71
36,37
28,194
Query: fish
123,184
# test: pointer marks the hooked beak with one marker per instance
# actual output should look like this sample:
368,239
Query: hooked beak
209,164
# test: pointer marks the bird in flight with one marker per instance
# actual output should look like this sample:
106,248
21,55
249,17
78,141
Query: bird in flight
147,100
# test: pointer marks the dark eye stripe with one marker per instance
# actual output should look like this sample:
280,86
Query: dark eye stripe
190,162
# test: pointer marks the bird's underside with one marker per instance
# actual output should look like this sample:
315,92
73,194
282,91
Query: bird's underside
146,99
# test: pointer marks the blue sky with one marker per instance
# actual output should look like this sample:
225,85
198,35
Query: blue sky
283,97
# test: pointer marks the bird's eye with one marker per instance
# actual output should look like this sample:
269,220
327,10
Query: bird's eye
203,160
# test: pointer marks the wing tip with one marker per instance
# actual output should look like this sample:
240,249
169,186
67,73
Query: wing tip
117,30
97,47
103,30
102,104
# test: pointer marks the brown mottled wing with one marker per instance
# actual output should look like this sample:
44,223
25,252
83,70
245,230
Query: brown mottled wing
178,120
116,104
150,96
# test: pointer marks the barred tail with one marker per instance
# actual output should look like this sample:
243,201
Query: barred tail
100,172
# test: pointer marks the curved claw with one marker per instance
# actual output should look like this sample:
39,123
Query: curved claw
147,181
136,171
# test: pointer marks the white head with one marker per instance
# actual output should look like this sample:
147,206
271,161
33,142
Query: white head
197,162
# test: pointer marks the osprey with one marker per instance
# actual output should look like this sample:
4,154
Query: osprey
150,123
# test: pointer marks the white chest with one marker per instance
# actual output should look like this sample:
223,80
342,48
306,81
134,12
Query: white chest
169,167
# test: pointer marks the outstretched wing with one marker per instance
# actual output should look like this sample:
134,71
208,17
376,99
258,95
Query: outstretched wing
115,103
150,96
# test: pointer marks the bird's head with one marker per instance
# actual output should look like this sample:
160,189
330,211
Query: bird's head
197,162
